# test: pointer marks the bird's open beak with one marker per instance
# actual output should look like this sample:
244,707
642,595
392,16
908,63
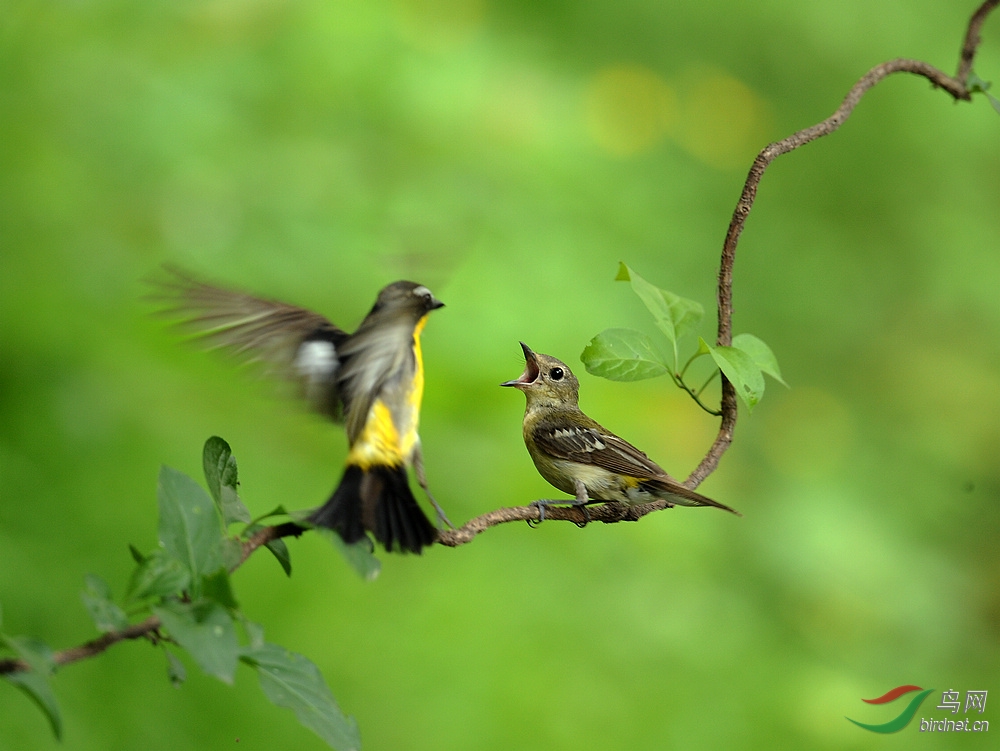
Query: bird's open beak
530,370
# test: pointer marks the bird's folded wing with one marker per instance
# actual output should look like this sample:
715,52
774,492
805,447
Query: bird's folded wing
590,445
291,342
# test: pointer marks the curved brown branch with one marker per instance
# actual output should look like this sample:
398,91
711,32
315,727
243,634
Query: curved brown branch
972,40
956,86
608,513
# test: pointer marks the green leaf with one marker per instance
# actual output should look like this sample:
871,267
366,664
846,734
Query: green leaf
622,355
176,671
190,526
217,587
359,554
223,479
35,682
277,547
105,614
205,629
760,353
255,634
675,316
995,102
280,551
977,84
232,553
277,511
741,371
290,680
158,575
137,555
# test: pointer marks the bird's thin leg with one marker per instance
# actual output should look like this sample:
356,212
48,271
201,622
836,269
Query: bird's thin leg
418,468
581,501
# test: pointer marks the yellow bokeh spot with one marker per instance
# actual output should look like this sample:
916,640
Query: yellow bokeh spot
629,109
439,25
512,108
809,433
723,122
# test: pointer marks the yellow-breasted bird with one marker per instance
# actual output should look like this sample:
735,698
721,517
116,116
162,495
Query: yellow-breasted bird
371,380
579,456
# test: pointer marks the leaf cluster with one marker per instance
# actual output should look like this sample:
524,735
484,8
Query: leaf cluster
621,354
184,586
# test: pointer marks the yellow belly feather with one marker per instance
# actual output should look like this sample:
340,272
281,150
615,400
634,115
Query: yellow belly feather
380,442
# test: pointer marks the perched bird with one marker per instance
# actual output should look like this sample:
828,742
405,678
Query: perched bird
371,380
579,456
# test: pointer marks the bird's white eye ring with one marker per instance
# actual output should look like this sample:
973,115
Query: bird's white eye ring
422,292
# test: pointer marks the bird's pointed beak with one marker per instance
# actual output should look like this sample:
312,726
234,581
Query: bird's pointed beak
530,370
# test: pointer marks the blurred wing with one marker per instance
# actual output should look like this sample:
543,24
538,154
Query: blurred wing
291,342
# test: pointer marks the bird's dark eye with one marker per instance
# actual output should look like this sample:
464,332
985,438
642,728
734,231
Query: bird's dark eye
556,374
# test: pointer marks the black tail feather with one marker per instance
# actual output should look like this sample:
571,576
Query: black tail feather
380,501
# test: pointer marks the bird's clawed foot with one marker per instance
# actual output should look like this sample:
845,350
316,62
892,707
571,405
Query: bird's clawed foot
544,503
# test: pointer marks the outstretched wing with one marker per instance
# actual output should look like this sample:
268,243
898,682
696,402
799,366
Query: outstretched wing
291,342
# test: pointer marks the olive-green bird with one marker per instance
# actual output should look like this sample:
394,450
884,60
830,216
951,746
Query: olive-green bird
579,456
371,380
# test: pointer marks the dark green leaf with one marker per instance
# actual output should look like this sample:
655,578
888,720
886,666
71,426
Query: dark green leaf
176,671
205,629
977,84
158,575
760,353
280,551
290,680
675,316
622,355
742,372
223,480
35,682
277,547
190,526
137,554
105,614
217,587
278,511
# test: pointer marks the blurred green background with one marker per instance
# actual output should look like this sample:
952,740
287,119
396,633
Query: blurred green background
508,155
